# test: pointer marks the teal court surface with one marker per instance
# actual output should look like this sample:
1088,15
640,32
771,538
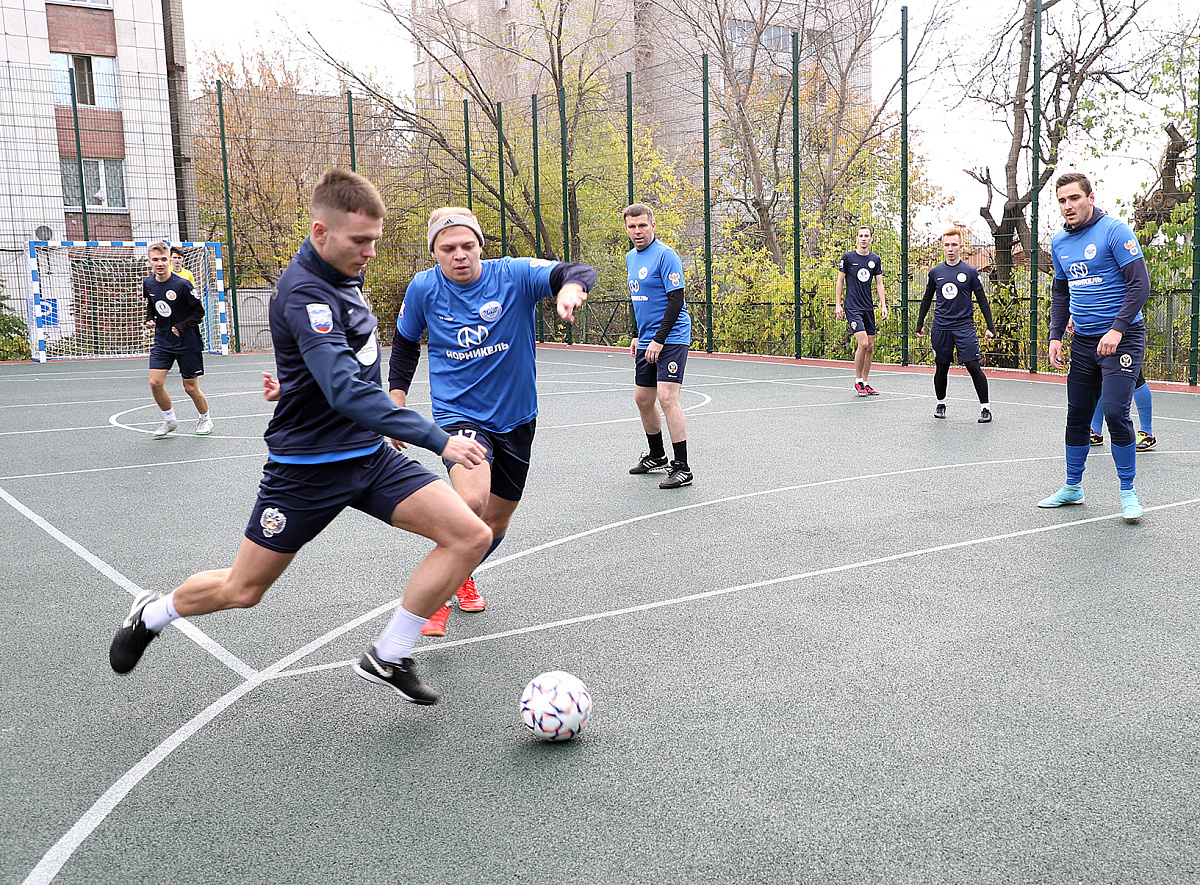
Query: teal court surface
853,651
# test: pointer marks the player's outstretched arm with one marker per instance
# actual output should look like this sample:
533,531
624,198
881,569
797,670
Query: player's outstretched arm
570,297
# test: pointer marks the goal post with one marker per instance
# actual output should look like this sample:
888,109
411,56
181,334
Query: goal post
85,298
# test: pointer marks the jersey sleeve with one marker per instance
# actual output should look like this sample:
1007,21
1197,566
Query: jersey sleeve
842,266
536,273
313,320
1124,244
411,321
878,267
671,270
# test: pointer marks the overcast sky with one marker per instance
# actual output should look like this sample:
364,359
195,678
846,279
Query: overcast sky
352,31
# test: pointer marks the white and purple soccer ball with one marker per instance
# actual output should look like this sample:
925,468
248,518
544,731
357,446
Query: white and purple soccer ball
555,706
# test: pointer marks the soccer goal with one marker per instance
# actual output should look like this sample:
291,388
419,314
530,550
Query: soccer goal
85,298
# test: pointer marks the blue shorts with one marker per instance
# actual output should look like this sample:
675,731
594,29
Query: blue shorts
296,501
861,321
1109,379
507,453
669,366
191,362
946,341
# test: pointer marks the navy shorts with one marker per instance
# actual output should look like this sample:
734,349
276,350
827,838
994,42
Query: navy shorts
1092,378
946,341
861,321
296,501
507,453
669,366
191,362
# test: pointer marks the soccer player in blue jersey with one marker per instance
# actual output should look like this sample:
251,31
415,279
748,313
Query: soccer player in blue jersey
328,452
660,352
175,313
481,317
854,277
1101,284
954,282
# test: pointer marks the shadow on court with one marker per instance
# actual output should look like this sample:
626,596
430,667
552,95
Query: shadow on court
853,651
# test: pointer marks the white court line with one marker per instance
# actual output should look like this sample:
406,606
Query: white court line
193,633
135,466
54,859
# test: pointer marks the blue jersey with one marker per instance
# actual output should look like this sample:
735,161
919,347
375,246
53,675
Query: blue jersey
171,303
1090,260
654,272
314,305
954,289
482,363
860,270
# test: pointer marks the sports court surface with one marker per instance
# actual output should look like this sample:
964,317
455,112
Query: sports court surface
854,651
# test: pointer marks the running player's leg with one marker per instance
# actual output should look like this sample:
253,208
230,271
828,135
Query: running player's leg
979,380
1097,428
1145,410
191,367
158,389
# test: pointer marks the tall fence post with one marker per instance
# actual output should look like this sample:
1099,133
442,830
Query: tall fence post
79,154
350,117
904,185
233,299
1192,356
1035,142
537,211
566,222
467,152
707,213
629,134
796,295
500,171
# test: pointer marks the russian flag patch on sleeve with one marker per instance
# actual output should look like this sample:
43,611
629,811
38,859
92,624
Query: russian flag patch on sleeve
320,317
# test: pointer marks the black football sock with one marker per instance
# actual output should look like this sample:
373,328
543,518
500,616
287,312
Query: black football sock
656,445
680,449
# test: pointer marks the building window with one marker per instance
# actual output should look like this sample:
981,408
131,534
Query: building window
510,34
745,33
104,181
107,4
95,79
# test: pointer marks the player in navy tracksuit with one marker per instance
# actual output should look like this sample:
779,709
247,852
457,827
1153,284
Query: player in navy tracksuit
327,450
175,313
954,282
480,316
855,273
1101,283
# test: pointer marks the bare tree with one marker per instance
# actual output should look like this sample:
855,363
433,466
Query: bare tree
1085,46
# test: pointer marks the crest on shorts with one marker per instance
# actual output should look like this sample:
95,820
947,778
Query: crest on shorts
673,367
320,317
854,325
1126,361
273,521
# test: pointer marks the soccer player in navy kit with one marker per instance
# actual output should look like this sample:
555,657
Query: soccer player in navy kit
1101,284
174,312
481,319
854,275
664,327
954,282
328,452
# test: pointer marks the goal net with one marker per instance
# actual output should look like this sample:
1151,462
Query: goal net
85,299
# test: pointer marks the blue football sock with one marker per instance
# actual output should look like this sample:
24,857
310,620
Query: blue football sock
495,544
1098,418
1142,397
1076,461
1125,457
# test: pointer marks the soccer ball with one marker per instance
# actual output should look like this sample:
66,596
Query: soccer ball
555,706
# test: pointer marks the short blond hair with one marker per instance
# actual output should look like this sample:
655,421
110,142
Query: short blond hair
954,232
155,248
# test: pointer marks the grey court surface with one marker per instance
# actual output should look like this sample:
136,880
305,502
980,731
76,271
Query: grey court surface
852,652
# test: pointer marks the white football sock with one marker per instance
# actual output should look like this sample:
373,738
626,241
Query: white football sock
169,414
399,636
159,613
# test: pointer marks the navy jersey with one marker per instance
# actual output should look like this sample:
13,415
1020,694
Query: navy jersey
482,364
173,303
314,304
860,271
1090,260
954,289
652,273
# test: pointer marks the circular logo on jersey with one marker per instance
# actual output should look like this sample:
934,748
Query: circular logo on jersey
369,352
673,367
171,295
949,291
642,271
871,264
164,309
490,312
962,277
1090,252
633,286
863,274
541,262
1126,361
273,522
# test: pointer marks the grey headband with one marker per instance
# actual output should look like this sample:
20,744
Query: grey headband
436,227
